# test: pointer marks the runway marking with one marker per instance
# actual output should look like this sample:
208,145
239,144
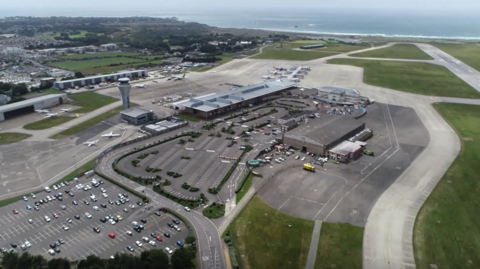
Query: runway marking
284,203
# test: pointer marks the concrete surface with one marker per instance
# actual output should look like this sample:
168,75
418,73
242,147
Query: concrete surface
312,252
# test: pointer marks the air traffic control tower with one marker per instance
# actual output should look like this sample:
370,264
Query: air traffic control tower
124,87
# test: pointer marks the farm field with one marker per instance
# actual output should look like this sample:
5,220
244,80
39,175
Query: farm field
98,55
52,35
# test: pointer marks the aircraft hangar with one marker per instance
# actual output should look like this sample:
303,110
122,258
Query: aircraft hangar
28,106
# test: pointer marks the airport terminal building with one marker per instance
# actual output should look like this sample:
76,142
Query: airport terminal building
212,105
80,82
137,115
29,106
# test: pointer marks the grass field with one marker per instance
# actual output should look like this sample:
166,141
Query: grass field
7,138
266,238
90,101
272,53
88,65
82,34
340,247
447,230
214,211
84,125
225,59
469,54
98,55
246,186
188,117
399,51
47,123
420,78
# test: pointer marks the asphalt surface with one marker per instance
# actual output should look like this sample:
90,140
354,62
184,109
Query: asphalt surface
80,239
209,241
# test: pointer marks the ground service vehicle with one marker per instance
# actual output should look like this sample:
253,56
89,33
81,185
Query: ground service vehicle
308,167
367,152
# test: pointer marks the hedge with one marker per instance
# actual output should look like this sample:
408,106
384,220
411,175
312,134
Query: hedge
190,203
239,187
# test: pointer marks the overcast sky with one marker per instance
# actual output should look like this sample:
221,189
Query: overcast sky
189,6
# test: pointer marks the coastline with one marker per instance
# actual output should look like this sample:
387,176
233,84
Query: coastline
364,37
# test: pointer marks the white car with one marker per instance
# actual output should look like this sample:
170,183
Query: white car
187,209
88,215
138,243
177,228
152,243
47,219
92,195
51,252
27,244
296,157
30,221
103,190
168,250
96,208
303,158
111,221
132,206
55,187
104,195
65,228
129,233
134,223
145,239
33,195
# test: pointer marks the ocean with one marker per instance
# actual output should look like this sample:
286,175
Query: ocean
389,23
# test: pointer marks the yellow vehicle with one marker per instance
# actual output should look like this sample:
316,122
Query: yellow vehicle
119,217
308,167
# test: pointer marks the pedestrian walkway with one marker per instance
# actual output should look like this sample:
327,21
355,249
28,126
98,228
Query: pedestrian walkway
312,253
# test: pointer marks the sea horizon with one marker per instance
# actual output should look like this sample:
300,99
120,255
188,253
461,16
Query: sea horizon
389,23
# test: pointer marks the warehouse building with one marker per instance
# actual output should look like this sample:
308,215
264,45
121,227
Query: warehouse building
212,105
29,106
165,126
137,115
293,117
314,46
320,140
80,82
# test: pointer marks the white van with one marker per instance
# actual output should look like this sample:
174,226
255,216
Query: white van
47,189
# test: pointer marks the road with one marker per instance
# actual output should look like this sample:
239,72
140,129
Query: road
208,239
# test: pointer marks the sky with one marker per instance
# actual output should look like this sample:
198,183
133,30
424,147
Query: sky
187,6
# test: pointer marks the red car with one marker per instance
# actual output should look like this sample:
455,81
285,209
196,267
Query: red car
111,235
159,238
15,212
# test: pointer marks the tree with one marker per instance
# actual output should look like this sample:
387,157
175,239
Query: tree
10,260
91,262
154,259
5,87
79,74
19,89
181,259
190,239
59,264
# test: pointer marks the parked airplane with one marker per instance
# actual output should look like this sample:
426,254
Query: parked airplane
140,85
280,68
49,115
176,77
42,110
90,143
268,77
110,135
66,109
275,72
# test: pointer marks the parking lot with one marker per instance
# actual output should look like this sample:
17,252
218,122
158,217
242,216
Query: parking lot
80,239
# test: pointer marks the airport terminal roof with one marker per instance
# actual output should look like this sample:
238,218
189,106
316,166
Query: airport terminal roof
213,101
335,127
29,102
100,76
336,89
134,112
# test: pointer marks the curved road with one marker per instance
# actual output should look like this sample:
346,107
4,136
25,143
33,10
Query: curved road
208,240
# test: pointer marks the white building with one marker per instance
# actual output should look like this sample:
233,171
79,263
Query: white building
339,96
109,46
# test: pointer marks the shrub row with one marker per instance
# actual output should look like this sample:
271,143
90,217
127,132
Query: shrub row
185,186
232,251
173,174
192,204
239,187
185,158
143,156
